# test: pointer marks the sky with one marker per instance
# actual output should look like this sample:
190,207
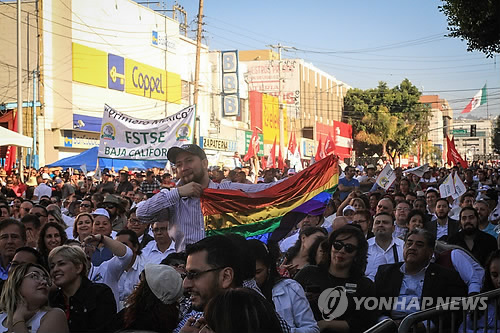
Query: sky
359,42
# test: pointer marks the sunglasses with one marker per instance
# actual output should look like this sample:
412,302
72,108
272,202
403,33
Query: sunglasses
109,206
349,248
85,205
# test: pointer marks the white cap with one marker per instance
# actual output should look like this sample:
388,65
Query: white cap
348,208
45,175
165,282
101,211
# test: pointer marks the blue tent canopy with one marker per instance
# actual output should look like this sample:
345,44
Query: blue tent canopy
89,157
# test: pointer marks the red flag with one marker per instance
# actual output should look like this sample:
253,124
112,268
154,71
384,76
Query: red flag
10,156
292,144
253,147
263,163
281,162
453,153
272,156
329,145
319,152
449,155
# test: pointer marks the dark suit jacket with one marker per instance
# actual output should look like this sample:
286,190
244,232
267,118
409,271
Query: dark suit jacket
438,282
484,244
145,240
453,228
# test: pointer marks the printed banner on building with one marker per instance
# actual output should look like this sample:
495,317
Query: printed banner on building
125,137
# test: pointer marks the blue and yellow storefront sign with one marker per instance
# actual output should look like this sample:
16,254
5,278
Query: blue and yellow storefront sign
101,69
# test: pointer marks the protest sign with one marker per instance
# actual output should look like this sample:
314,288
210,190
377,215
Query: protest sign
125,137
386,177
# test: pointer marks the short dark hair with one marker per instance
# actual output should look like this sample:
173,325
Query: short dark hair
443,199
468,208
431,190
366,214
430,238
34,252
384,214
418,212
466,195
31,218
132,236
7,222
221,252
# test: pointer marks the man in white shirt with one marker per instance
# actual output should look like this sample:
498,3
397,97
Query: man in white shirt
131,275
161,247
384,248
42,188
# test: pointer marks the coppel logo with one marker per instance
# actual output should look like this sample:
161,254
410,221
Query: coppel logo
333,303
116,72
148,83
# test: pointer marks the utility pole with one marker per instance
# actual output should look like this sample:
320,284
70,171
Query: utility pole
197,67
19,91
280,101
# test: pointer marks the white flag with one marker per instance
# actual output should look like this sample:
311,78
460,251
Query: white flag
419,171
447,188
83,167
386,177
460,188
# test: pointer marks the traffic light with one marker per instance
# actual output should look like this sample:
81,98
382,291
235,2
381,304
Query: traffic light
473,130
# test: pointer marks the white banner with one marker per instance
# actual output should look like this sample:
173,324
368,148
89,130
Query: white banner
459,186
124,137
386,177
447,188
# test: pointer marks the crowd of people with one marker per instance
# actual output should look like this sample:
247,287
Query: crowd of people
129,252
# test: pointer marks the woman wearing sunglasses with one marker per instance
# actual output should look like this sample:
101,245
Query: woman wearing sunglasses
343,277
24,302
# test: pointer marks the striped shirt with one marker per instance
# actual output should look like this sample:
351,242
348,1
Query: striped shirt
186,219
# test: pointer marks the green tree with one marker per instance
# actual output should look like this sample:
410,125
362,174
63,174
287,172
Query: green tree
386,121
496,137
478,22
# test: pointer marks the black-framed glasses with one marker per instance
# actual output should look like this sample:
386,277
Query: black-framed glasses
196,275
349,248
39,278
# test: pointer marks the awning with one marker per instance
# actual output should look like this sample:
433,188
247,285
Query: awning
11,138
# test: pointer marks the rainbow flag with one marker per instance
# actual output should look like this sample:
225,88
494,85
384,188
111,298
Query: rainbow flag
252,214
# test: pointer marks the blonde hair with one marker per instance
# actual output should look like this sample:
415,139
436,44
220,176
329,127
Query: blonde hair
11,295
75,228
74,254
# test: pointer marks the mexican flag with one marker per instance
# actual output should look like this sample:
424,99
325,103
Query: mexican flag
479,99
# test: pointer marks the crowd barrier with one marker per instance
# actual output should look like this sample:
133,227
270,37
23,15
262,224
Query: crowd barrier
442,319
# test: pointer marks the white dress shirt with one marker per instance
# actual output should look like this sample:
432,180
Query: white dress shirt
129,279
378,256
153,255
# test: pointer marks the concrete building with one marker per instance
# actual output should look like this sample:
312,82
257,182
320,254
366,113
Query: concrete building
86,53
440,122
477,147
308,94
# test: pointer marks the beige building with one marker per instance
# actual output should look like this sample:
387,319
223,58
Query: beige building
309,94
440,122
93,52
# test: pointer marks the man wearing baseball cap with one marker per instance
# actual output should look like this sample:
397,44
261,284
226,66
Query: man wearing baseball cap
183,202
